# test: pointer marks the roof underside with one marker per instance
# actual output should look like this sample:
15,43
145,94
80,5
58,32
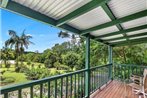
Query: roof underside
113,22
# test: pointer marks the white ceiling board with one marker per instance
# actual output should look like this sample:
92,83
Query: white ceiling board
90,19
138,37
111,37
117,41
134,23
53,8
137,32
122,8
105,31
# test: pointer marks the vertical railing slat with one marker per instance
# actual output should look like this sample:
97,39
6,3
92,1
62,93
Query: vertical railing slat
55,92
78,86
67,87
75,87
71,86
31,92
48,89
61,93
19,93
41,90
6,95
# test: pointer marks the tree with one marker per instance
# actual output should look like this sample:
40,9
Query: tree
71,59
74,39
63,34
19,43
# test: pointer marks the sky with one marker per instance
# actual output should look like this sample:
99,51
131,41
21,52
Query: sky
44,36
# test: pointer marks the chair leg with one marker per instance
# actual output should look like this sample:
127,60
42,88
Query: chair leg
144,95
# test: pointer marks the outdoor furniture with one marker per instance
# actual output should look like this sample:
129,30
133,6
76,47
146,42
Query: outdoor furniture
141,85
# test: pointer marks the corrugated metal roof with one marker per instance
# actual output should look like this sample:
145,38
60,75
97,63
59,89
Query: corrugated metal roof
138,37
58,9
137,32
105,31
90,19
134,23
122,8
53,8
117,41
111,37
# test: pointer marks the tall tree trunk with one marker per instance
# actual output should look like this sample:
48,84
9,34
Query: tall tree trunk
17,54
21,54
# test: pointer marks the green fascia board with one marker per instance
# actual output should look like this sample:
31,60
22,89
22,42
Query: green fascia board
130,36
4,3
117,21
85,8
130,42
25,11
123,31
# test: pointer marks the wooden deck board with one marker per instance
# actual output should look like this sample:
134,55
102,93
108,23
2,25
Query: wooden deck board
114,90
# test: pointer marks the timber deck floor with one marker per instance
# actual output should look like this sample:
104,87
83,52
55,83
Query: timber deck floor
114,89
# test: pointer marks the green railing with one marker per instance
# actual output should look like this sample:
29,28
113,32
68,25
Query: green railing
70,85
99,76
124,71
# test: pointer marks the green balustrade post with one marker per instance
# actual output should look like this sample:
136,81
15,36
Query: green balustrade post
87,66
110,58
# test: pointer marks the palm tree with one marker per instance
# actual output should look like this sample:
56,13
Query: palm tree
19,43
25,42
63,34
74,38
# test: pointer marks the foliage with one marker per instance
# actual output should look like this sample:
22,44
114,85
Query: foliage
7,65
19,43
71,59
37,73
7,80
19,77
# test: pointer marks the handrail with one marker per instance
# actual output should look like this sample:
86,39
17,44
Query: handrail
35,82
124,71
135,65
100,66
99,75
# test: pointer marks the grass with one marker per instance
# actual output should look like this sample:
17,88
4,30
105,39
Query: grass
19,77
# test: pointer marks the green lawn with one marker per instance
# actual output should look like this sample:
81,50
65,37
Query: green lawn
19,77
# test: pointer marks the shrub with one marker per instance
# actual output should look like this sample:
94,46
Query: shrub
47,63
17,69
63,67
8,65
7,80
28,63
39,73
24,69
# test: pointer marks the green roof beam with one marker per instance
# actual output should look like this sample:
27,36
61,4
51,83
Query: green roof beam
123,31
110,14
117,21
130,42
130,36
25,11
85,8
112,17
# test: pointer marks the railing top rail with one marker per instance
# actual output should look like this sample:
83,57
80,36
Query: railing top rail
36,82
135,65
99,66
